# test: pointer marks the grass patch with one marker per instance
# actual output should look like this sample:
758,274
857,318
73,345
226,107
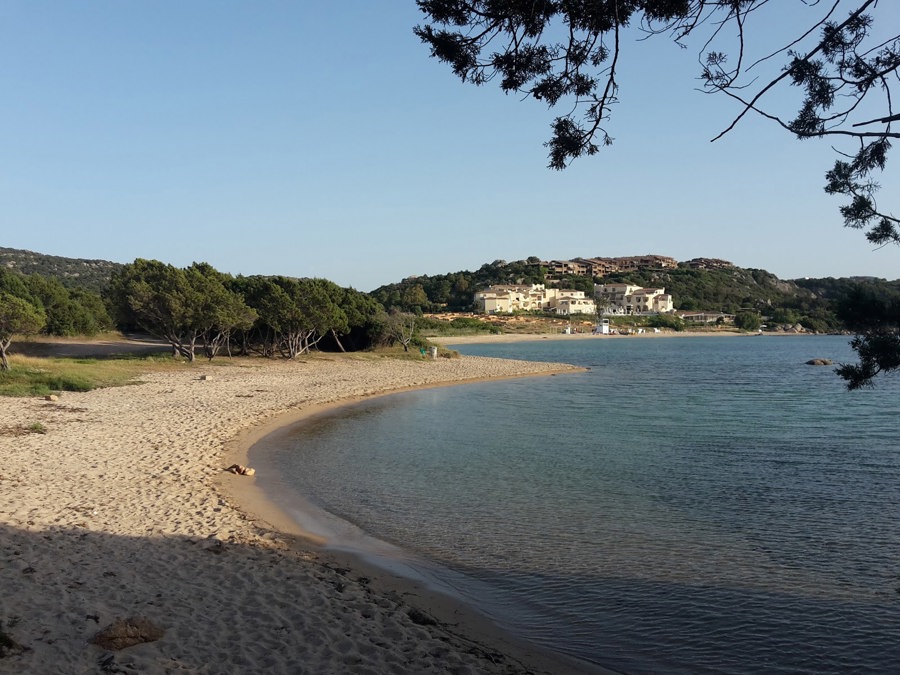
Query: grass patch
34,376
22,430
414,353
42,376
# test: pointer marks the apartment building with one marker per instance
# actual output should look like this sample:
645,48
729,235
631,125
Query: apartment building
505,299
630,299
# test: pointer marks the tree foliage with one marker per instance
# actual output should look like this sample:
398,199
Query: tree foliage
873,310
188,307
199,307
299,313
879,352
363,316
401,328
17,317
67,311
568,53
747,321
670,321
218,311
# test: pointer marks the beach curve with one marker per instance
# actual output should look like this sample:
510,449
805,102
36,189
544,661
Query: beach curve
122,508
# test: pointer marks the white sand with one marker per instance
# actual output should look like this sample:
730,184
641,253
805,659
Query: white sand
121,509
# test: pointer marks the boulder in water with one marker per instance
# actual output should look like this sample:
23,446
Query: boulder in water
819,362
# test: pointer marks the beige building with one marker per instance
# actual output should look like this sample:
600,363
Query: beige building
629,299
506,299
599,267
573,302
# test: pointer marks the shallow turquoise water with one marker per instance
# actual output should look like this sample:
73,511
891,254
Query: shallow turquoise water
686,505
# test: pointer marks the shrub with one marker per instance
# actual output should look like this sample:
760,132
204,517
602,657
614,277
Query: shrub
470,323
666,321
747,321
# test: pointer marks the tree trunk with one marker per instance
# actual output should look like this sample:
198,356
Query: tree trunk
334,335
312,339
293,345
4,361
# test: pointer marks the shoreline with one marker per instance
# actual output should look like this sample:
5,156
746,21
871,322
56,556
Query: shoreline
237,450
388,570
123,508
504,338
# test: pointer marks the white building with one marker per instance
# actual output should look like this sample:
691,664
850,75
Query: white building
629,299
572,302
536,297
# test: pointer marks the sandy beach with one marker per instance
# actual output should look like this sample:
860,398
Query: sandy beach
123,508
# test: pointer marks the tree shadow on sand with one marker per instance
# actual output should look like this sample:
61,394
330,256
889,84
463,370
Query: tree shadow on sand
133,345
228,607
222,607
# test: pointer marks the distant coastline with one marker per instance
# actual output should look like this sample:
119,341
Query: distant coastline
500,338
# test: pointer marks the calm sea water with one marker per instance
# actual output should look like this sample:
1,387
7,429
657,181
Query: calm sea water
684,506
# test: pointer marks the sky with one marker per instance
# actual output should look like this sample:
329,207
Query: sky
319,139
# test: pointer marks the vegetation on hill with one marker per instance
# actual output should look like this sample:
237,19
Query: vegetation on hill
728,290
740,291
455,291
92,275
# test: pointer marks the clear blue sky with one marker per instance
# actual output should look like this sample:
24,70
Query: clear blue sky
319,139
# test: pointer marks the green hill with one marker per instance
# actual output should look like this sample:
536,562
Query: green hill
814,303
71,272
719,290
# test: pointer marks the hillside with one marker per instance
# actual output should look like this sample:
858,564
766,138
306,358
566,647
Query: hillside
812,302
72,272
721,289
